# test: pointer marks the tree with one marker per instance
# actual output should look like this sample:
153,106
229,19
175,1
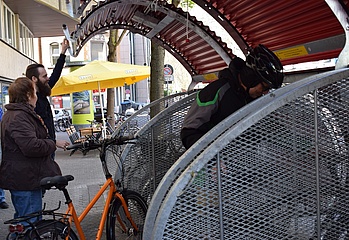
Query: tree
156,75
157,63
185,3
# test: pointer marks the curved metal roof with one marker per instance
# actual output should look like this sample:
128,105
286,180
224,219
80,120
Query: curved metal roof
296,30
197,47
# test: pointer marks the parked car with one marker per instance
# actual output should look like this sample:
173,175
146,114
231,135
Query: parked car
128,104
98,114
58,113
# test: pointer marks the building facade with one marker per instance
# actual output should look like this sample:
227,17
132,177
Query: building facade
31,32
20,23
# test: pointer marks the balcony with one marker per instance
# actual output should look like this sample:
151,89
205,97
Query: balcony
43,17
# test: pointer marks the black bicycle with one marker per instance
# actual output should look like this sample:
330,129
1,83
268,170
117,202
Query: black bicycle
64,122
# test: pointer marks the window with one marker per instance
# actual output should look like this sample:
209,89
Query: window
26,40
9,25
22,39
97,52
54,51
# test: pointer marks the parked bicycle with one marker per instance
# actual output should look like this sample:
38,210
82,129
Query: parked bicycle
120,119
109,129
55,122
64,122
124,210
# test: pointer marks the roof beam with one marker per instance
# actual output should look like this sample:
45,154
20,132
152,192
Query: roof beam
145,19
162,24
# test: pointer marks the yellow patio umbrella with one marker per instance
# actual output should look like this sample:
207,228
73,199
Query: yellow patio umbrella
100,75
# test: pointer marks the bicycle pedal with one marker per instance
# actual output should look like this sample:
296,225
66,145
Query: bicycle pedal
72,152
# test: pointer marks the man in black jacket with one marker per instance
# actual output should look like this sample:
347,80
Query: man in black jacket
237,85
38,74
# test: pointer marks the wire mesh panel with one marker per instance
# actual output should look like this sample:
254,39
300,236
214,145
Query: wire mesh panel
279,173
137,120
157,147
134,123
189,156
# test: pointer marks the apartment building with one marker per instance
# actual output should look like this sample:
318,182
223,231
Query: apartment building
31,31
22,22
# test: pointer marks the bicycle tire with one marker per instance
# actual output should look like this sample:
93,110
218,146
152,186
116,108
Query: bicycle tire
56,127
50,229
61,125
109,131
67,123
138,210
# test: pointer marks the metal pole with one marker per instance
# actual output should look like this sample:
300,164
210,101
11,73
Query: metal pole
104,132
219,181
317,165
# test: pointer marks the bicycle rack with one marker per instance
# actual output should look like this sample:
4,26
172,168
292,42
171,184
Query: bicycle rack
282,171
142,116
157,148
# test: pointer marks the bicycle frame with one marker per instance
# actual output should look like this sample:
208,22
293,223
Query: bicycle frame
115,209
112,193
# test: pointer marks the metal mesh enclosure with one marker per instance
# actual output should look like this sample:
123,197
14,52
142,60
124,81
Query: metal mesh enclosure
157,148
189,156
134,123
137,120
281,172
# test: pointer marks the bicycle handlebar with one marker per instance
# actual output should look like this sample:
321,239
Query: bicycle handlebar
91,144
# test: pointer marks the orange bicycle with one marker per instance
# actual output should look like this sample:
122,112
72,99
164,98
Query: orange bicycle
124,210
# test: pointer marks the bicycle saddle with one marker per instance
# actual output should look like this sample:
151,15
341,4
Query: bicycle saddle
57,181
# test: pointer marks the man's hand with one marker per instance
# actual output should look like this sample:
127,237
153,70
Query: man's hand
62,144
65,46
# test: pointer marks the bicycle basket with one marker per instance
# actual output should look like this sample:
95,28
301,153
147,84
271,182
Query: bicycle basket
114,162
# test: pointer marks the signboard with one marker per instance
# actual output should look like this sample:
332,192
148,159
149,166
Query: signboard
291,52
168,70
96,90
169,79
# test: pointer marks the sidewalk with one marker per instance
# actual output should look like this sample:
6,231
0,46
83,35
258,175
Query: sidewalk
88,175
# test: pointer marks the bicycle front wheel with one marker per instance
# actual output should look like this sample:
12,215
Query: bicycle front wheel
61,125
67,123
118,225
50,229
56,127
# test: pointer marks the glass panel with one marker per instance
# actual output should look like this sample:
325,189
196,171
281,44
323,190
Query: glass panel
54,49
22,38
5,22
9,27
54,59
97,51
